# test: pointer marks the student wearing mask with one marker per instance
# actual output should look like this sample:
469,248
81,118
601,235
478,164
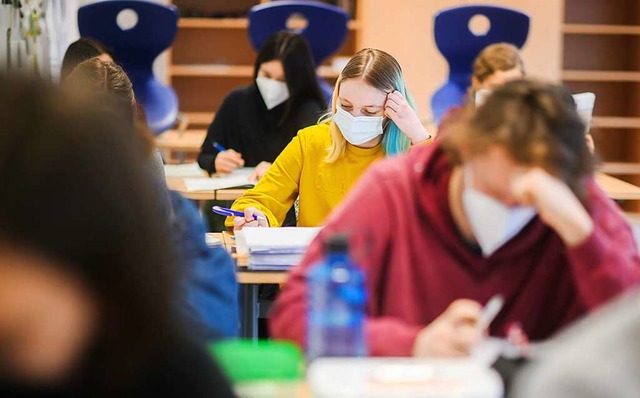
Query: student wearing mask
208,286
504,204
87,278
255,123
372,116
496,65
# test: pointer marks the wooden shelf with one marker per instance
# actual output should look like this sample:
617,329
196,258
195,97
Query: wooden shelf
213,23
616,122
232,71
229,23
599,29
600,76
620,168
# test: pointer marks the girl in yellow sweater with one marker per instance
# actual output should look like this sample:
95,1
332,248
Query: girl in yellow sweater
372,116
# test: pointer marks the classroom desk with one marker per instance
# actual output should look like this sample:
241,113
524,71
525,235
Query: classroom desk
177,184
250,282
617,189
187,141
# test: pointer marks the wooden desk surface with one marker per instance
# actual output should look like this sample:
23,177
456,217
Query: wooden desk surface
177,184
617,189
188,141
245,276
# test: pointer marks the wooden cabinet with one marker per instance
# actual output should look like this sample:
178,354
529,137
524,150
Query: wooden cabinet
602,54
212,56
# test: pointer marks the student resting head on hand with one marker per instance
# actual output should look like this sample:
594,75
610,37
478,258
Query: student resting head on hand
372,115
504,204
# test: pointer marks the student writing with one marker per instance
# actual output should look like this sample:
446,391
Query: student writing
372,116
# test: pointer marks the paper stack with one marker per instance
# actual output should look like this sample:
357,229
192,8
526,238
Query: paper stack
276,249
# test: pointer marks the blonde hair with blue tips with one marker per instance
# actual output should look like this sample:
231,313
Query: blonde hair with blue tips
379,70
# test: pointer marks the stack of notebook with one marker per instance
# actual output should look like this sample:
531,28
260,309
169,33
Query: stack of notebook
276,249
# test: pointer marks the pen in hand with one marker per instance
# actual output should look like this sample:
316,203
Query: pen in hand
223,211
490,311
219,147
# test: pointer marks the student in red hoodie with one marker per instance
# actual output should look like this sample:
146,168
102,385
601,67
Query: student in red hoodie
505,204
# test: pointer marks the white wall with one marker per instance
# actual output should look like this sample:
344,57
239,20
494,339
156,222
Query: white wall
404,28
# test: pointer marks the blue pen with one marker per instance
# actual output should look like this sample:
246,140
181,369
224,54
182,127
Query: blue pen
219,147
223,211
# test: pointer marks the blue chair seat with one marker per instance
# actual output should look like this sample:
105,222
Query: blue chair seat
460,46
325,32
136,49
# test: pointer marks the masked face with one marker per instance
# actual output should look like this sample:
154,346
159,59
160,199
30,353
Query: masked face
273,92
493,223
481,96
358,129
359,112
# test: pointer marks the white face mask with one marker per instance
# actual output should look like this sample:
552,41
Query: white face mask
274,92
481,96
357,129
492,222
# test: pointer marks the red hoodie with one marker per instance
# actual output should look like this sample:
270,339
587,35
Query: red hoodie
416,263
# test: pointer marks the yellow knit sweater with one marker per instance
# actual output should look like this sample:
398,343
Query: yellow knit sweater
300,170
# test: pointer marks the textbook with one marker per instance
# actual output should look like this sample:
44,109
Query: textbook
276,249
236,179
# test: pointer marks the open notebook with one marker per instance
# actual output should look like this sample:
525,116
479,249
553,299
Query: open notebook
236,179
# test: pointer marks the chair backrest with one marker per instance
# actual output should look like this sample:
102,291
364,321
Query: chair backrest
326,28
460,46
152,29
325,32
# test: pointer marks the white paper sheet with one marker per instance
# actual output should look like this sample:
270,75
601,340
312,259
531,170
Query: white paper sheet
238,178
278,240
183,170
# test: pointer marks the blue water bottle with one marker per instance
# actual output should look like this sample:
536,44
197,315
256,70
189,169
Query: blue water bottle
336,312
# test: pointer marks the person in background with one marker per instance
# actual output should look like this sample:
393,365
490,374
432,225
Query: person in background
87,279
255,123
504,204
496,65
95,74
81,50
209,285
372,116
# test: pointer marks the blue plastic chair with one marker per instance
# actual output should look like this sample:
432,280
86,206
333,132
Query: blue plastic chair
136,49
460,46
325,32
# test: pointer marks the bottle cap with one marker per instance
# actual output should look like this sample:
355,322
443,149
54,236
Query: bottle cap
336,244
